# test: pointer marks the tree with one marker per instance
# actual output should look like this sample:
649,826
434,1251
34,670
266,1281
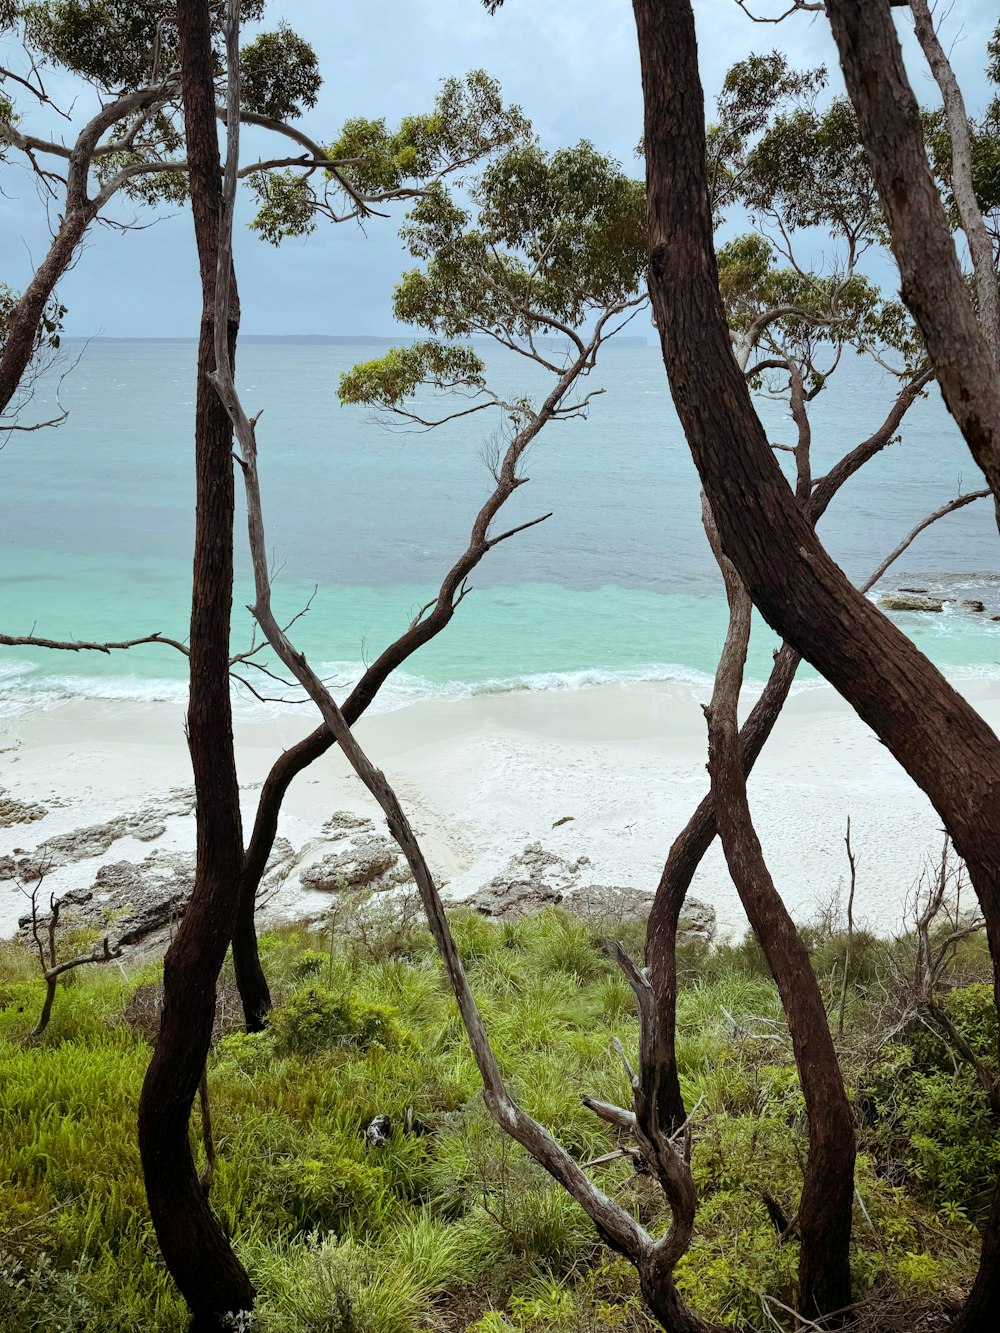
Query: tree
132,149
195,1250
944,744
464,286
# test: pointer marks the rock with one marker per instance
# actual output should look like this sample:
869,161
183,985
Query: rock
135,904
93,840
973,604
8,868
530,881
537,879
279,866
917,590
630,904
13,811
698,918
894,602
369,861
342,822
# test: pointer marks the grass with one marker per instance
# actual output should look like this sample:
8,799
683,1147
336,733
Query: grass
449,1225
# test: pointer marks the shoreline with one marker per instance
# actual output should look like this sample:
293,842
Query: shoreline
484,776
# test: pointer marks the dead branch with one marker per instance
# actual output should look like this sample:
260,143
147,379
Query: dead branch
84,646
939,927
794,8
827,486
958,503
51,968
852,862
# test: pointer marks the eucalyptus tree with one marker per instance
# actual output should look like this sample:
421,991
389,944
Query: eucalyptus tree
934,733
785,321
530,249
197,1253
805,170
132,149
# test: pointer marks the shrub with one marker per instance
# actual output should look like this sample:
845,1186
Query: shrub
316,1018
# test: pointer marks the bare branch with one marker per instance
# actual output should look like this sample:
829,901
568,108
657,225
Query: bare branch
826,487
511,532
82,645
958,503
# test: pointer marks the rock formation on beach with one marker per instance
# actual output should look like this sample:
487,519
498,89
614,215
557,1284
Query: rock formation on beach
140,902
909,602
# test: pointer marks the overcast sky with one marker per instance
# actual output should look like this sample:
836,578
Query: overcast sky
572,65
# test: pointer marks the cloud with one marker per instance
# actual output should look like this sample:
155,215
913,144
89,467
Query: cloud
572,67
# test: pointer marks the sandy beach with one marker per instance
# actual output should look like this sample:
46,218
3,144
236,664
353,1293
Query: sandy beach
486,775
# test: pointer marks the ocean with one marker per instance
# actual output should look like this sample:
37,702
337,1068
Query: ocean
364,518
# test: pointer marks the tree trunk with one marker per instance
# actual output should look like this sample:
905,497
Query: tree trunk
941,741
694,840
21,334
978,238
194,1247
686,854
827,1196
932,283
251,982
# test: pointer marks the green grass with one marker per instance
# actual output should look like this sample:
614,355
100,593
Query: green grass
450,1225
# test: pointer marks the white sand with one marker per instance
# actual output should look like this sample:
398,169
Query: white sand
484,776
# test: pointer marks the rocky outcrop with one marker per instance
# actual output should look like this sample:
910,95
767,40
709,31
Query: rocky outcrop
13,811
135,903
140,903
536,879
368,861
908,602
93,840
360,857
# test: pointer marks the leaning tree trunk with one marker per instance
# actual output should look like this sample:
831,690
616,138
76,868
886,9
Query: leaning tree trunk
932,283
195,1249
825,1206
689,847
939,739
80,210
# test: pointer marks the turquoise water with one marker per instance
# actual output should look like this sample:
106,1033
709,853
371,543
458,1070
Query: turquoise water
96,527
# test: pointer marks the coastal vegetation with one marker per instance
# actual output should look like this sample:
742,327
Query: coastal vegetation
432,1219
348,1176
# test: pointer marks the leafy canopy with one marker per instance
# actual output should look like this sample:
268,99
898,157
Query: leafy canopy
550,238
539,244
279,75
390,379
469,120
776,153
112,42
